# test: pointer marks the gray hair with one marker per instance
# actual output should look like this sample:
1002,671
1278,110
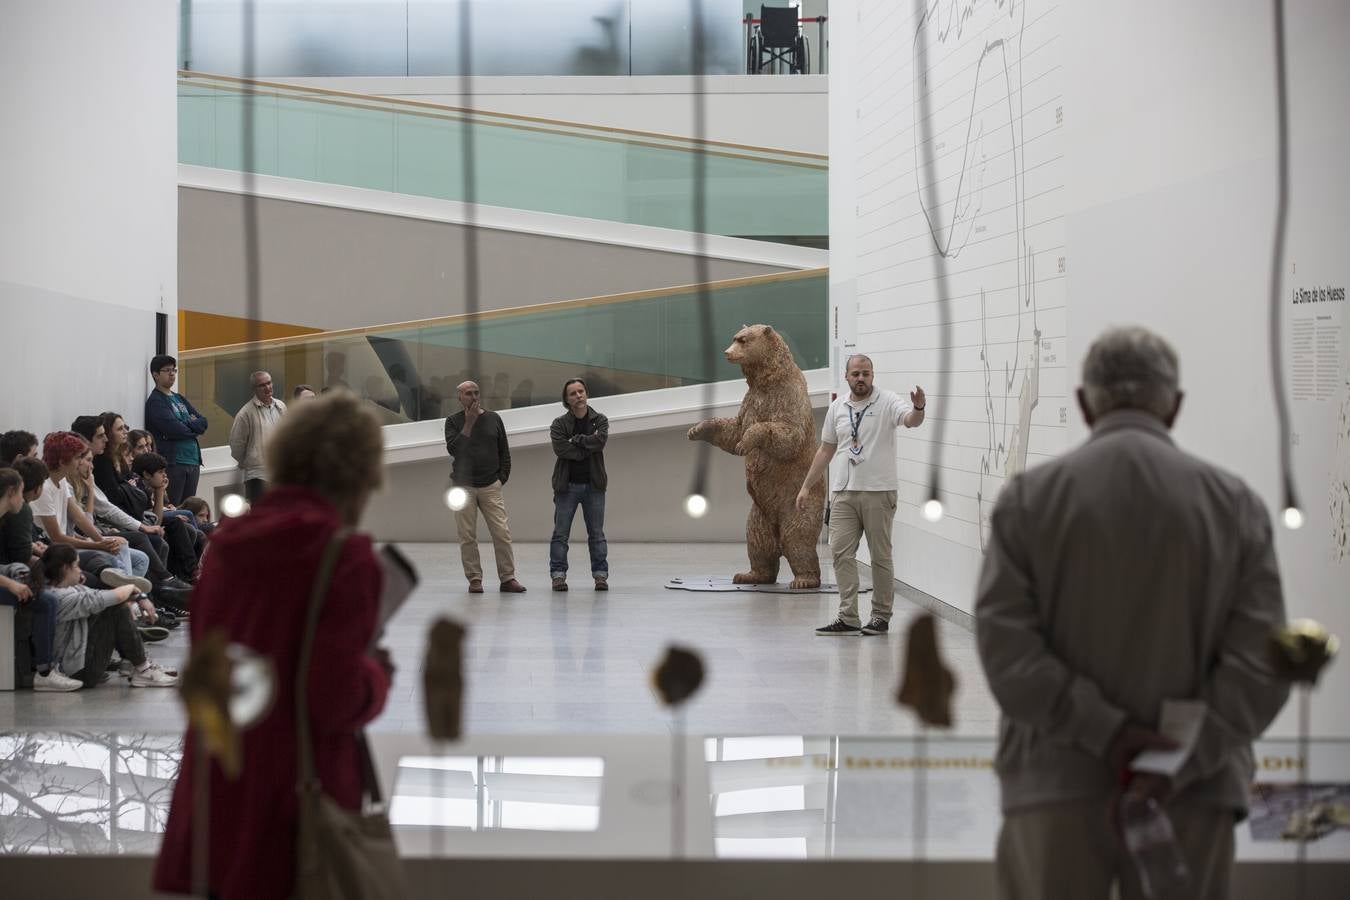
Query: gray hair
253,379
1131,368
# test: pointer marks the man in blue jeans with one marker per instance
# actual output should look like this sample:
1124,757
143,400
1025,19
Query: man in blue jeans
175,425
579,479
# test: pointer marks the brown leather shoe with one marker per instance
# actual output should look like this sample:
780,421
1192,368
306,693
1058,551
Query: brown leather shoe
512,587
560,584
602,584
476,586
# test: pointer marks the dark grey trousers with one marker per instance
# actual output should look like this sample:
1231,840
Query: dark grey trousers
110,630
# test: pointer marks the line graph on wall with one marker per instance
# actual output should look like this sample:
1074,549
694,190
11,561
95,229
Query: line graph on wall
979,80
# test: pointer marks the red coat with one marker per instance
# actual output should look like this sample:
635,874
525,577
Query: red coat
255,584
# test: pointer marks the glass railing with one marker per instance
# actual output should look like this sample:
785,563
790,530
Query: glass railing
620,344
522,162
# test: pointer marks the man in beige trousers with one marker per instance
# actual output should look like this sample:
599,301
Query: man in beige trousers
253,425
860,430
475,438
1124,574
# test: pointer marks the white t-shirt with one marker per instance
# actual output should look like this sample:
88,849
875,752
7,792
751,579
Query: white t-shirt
867,463
54,501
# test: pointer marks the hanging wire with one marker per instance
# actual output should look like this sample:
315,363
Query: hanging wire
696,504
932,508
469,192
248,121
234,503
1292,514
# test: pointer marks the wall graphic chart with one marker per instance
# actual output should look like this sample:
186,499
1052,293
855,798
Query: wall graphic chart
980,82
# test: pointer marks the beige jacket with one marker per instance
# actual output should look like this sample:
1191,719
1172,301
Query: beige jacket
1122,574
248,435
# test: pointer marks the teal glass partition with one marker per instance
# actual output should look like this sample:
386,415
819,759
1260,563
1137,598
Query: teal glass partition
620,344
412,147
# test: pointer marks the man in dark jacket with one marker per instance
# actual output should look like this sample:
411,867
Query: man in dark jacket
480,457
579,479
175,425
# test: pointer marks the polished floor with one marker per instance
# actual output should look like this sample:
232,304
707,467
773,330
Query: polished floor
579,662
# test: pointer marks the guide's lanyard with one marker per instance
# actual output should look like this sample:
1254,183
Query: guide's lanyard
855,422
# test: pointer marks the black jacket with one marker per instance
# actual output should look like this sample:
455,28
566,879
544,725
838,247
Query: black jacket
585,446
481,458
16,536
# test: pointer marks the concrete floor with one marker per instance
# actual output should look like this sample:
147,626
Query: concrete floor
579,662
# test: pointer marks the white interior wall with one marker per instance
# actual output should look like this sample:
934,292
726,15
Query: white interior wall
1162,168
406,265
785,113
89,212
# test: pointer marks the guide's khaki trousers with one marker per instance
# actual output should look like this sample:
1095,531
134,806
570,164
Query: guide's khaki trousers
489,500
854,514
1069,851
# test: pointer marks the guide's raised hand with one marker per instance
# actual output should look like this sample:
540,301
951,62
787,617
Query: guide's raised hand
917,398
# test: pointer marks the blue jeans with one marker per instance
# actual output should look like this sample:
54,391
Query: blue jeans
43,609
132,561
592,503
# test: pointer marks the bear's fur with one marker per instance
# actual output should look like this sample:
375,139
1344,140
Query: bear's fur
775,432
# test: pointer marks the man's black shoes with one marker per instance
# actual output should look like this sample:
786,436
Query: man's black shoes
877,626
838,628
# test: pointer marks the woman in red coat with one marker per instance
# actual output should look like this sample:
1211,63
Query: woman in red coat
324,461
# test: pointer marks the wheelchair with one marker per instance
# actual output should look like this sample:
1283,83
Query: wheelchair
778,39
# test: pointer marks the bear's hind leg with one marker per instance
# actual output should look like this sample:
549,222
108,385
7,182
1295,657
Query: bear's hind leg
761,543
801,531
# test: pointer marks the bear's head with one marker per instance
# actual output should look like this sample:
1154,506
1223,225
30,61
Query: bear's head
759,349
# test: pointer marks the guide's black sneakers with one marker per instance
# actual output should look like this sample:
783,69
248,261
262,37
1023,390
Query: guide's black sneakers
838,627
877,626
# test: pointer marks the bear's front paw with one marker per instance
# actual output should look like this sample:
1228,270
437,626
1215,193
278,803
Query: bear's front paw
696,432
805,583
753,578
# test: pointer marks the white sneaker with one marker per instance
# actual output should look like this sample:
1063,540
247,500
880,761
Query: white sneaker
115,578
126,669
55,681
153,676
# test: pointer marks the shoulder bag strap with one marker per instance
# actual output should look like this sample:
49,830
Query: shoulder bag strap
306,771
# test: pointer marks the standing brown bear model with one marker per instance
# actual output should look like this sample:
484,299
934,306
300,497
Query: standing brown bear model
776,434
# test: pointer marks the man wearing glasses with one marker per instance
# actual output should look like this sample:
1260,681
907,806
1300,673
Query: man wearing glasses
252,426
860,429
175,425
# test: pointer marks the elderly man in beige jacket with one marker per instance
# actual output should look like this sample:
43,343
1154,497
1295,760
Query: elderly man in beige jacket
253,424
1121,575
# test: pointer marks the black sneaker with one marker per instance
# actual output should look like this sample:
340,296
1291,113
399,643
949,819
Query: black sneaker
877,626
838,627
152,634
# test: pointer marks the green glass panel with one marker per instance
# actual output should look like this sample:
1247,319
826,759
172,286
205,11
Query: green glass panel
619,345
552,167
